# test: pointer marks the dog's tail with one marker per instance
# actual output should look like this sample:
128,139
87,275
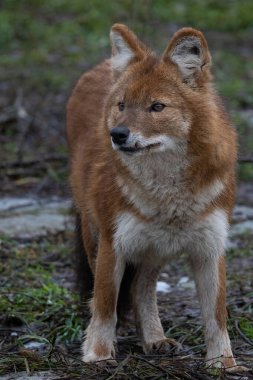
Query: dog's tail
85,280
125,305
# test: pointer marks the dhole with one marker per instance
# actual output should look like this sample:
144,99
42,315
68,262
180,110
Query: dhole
153,175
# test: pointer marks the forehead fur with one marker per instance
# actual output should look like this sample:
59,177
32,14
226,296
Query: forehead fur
148,80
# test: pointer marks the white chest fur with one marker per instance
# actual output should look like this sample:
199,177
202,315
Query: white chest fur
160,187
161,193
134,239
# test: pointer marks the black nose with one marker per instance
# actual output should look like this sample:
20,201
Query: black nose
120,134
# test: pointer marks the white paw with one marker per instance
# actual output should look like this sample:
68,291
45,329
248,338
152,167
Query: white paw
98,352
162,346
222,361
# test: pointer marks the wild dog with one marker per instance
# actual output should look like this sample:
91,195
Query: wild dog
152,155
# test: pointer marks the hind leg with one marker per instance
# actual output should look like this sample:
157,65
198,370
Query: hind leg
146,311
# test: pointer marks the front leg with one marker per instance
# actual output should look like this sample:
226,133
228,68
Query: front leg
210,277
100,334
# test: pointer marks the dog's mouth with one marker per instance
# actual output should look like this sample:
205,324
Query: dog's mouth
137,148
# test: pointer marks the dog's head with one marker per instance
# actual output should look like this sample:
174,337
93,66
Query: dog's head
154,99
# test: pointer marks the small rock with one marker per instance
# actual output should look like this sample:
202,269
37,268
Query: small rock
242,213
27,218
162,287
242,228
185,283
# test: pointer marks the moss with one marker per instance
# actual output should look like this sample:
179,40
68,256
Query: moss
33,295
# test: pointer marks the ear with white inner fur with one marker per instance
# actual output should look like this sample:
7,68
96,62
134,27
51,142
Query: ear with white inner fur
188,49
126,48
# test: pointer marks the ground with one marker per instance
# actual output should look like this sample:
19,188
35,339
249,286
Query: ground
44,48
42,319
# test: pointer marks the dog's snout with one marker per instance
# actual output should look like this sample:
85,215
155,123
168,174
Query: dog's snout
120,134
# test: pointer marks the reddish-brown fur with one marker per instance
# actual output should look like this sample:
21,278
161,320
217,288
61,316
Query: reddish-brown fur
92,112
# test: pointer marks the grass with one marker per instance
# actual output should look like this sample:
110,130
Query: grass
234,73
49,39
32,295
246,325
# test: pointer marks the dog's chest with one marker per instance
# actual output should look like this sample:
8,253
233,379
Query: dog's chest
134,237
159,190
137,240
171,215
165,230
165,195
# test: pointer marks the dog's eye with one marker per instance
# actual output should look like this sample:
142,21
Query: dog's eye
121,106
157,107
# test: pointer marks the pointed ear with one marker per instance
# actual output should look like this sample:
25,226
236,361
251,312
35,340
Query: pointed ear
188,50
126,48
